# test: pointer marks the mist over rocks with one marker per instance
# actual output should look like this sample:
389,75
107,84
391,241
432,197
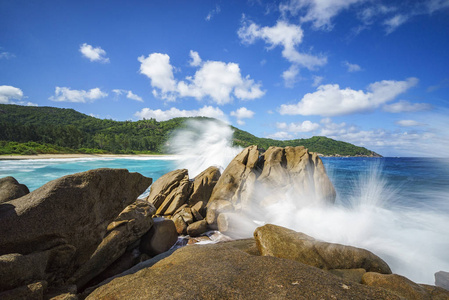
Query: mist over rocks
95,239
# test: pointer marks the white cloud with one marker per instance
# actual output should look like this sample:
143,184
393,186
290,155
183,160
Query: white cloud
164,115
330,100
9,93
393,23
352,67
6,55
196,59
306,126
290,75
129,94
317,80
409,123
280,135
242,113
215,80
157,67
213,12
65,94
405,106
319,12
94,54
285,35
434,5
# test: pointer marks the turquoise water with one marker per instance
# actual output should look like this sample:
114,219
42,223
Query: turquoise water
397,208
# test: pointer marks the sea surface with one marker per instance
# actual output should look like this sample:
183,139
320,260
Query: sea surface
397,208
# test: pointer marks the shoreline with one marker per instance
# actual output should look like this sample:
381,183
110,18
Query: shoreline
66,156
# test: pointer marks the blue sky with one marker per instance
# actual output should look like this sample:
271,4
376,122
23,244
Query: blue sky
372,73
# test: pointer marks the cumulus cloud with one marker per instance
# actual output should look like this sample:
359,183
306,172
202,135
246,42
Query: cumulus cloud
286,35
66,94
9,93
331,100
215,80
280,135
157,67
319,12
164,115
305,126
405,106
94,54
129,94
196,59
242,113
352,67
409,123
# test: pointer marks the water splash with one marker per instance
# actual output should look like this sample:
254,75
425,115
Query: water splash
203,143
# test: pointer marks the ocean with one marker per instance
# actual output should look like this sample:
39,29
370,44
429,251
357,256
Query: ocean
397,208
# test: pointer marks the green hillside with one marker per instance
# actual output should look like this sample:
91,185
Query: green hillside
33,130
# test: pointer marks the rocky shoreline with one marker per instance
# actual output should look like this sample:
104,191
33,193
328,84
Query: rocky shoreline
87,236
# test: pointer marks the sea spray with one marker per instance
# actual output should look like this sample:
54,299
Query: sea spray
201,144
405,226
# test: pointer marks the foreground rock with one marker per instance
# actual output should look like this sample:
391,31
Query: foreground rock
11,189
58,227
281,242
227,271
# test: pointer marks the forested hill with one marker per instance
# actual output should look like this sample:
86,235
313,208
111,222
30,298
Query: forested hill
32,130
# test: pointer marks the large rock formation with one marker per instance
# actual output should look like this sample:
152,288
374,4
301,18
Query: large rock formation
228,271
11,189
55,229
253,180
281,242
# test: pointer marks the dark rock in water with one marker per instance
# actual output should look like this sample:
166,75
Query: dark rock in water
442,279
161,237
222,271
203,185
197,228
11,189
132,223
33,291
170,191
399,285
281,242
60,225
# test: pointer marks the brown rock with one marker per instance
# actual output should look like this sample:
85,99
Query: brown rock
436,292
222,271
215,208
11,189
354,275
18,270
170,192
396,284
203,185
32,291
186,215
81,206
200,208
281,242
134,221
197,228
196,214
160,238
180,224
